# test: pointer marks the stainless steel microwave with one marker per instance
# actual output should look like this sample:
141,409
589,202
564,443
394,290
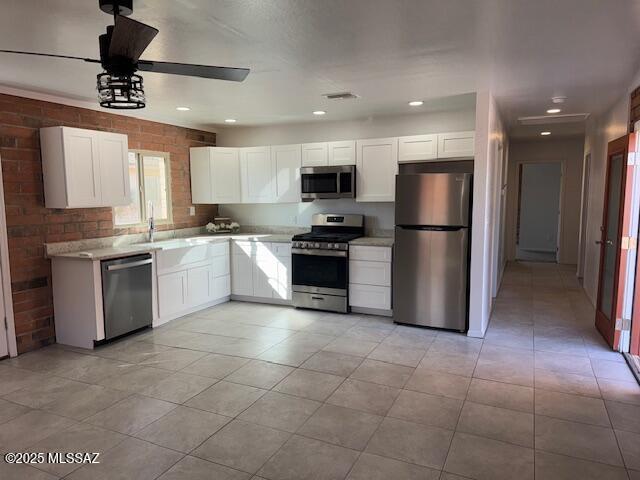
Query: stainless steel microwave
328,182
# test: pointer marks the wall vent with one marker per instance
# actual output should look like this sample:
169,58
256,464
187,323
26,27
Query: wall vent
340,96
553,119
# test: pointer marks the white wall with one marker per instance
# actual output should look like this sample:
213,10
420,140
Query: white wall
485,243
570,152
378,215
600,131
539,206
372,127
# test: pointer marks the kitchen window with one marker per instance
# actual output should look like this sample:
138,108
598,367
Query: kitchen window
149,181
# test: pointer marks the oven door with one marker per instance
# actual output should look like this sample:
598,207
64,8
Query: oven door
320,271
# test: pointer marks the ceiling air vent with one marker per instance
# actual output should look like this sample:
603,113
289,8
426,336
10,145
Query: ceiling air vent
340,96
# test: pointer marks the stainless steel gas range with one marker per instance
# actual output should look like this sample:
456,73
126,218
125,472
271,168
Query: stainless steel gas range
320,261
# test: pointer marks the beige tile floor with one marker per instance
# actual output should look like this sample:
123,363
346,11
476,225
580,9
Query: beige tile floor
244,391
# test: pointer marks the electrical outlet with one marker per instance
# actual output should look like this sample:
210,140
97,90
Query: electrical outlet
192,211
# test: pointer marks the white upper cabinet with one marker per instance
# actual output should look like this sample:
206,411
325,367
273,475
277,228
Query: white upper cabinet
376,169
215,175
315,154
342,153
114,168
257,175
456,145
417,148
84,168
286,160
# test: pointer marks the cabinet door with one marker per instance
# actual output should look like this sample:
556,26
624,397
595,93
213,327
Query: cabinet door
342,153
377,166
221,266
114,169
221,287
456,145
201,176
172,293
286,160
199,285
82,167
417,148
224,172
282,285
242,274
315,155
258,182
265,272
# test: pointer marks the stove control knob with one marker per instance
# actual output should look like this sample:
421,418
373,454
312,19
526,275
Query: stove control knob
317,245
329,246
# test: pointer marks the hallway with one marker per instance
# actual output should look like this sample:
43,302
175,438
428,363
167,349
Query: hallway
586,401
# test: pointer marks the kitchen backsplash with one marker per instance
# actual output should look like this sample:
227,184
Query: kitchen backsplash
30,225
379,217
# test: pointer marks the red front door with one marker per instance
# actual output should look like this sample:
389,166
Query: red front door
610,241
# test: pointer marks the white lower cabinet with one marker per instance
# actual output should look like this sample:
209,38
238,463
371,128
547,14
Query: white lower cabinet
370,277
190,278
370,296
199,285
261,270
172,293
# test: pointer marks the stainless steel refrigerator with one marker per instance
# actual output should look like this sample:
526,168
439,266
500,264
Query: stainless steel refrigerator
431,254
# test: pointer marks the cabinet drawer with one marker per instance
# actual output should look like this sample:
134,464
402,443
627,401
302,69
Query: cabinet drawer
281,249
221,266
371,254
219,249
370,273
370,296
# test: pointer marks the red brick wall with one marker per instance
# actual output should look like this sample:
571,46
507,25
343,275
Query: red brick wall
30,224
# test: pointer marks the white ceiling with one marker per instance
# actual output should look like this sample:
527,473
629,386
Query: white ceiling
386,51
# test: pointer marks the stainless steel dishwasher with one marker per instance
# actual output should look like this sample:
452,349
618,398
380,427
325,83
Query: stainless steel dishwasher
126,294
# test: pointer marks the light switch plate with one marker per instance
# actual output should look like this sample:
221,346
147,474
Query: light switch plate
192,211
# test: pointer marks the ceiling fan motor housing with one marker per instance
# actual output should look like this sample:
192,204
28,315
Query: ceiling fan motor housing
124,7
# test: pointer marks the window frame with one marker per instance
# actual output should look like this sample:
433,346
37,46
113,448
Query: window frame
141,190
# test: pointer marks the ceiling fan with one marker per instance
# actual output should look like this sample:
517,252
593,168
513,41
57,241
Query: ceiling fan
120,48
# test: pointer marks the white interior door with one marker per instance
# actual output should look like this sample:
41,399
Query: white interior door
539,211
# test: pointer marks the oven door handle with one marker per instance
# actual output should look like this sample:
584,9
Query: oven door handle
318,252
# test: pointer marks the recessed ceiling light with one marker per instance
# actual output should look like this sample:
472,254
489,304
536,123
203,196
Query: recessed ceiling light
545,133
230,120
319,112
183,109
554,110
416,103
558,99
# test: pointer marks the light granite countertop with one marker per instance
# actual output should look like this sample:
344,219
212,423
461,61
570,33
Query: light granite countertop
373,241
139,248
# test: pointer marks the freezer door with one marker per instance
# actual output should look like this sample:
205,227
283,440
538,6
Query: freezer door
433,199
430,277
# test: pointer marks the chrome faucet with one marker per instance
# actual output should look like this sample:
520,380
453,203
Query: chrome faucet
152,224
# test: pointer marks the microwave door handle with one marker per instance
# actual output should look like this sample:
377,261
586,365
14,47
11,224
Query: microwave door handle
338,191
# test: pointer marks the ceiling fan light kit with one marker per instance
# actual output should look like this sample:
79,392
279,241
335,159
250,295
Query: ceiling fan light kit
124,92
119,86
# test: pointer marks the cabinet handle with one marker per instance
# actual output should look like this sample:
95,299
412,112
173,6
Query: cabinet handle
317,298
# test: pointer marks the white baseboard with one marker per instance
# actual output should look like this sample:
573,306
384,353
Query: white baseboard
270,301
372,311
161,321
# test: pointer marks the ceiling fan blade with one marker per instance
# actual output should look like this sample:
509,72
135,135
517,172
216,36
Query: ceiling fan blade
191,70
130,38
38,54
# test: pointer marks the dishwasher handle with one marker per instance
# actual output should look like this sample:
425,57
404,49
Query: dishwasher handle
123,266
